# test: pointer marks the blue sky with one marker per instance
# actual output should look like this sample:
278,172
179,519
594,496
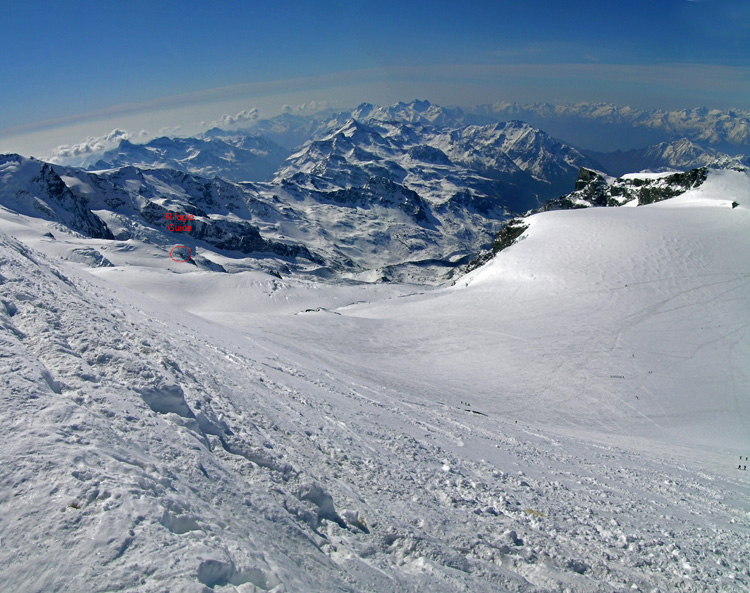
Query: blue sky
86,67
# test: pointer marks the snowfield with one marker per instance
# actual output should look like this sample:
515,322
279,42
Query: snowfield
568,417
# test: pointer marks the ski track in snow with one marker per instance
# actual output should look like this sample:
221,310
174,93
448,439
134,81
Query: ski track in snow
476,438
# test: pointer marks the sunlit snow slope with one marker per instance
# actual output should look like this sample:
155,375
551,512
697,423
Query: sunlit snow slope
567,417
629,321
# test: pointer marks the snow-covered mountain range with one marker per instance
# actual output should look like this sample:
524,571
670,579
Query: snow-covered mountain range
32,188
616,140
512,152
411,191
598,125
232,156
509,165
678,155
352,232
413,197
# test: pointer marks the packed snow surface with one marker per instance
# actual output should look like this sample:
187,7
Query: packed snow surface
569,417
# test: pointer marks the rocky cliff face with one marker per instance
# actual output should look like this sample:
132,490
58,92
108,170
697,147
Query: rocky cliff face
595,189
32,187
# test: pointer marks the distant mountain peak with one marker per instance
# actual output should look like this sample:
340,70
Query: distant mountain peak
419,105
595,124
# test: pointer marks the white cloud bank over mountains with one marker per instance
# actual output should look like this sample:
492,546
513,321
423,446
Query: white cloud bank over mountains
244,116
88,146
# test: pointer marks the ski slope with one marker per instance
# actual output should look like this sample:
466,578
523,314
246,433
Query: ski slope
567,417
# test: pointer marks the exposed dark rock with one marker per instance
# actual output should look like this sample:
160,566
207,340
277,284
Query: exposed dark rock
594,189
507,236
37,190
429,154
89,256
380,191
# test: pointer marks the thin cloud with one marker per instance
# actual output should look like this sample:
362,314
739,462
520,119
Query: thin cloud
169,130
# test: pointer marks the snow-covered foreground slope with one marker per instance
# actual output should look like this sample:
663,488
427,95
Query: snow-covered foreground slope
568,417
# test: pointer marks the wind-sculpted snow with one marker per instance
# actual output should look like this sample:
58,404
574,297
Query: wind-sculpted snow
567,417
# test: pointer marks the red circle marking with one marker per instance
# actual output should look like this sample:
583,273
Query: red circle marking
180,261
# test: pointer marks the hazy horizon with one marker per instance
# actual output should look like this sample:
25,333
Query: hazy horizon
80,71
